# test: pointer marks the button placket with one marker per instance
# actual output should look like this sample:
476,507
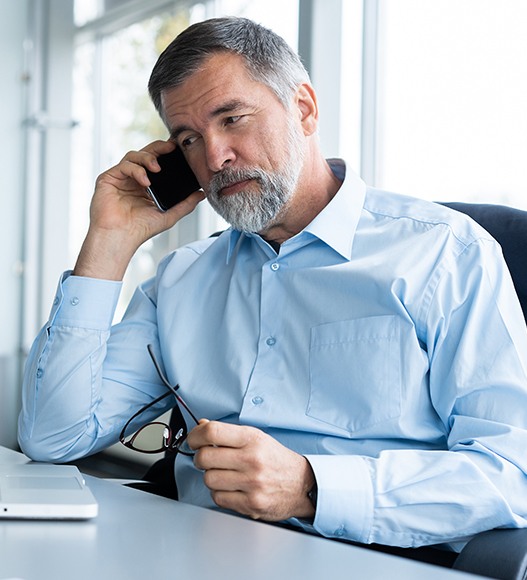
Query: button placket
263,383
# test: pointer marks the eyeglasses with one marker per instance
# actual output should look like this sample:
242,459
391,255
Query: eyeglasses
156,437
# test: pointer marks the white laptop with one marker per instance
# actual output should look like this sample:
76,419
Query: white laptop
44,491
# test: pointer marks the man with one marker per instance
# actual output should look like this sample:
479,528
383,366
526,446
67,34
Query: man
337,339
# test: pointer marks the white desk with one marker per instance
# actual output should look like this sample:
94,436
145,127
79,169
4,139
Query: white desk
141,536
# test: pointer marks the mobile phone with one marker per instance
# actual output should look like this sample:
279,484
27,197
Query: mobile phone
174,182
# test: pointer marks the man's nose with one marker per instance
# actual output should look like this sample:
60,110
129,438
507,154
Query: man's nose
219,154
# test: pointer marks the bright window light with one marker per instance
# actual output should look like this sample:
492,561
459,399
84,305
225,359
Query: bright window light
452,100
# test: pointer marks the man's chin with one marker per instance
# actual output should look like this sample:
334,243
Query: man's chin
245,214
247,226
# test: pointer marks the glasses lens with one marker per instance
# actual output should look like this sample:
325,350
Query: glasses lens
151,438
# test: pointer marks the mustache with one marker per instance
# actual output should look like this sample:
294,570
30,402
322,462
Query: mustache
230,176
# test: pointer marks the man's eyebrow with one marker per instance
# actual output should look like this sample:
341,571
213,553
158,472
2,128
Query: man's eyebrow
227,107
176,131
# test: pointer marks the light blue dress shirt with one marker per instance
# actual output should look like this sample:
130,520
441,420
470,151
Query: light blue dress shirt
384,342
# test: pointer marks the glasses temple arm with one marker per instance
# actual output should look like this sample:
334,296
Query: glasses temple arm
122,435
167,383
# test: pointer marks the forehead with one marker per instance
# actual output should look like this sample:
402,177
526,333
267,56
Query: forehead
222,78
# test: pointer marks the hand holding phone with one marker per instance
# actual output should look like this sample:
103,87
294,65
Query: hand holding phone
174,183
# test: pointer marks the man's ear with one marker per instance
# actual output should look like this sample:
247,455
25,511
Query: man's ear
306,102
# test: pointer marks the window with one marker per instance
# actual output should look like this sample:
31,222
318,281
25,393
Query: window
115,115
451,120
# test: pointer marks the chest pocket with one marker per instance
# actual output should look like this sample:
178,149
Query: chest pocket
355,373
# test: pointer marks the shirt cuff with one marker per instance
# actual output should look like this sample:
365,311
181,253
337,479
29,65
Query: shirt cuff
85,302
345,497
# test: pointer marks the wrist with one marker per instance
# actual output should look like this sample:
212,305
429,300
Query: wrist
104,255
307,505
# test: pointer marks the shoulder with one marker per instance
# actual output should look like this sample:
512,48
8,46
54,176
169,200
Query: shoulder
182,258
415,215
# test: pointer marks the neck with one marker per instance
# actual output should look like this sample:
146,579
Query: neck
317,187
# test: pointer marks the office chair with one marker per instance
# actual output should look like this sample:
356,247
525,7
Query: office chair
498,554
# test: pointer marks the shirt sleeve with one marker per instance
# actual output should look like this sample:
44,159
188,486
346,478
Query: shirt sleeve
474,333
61,419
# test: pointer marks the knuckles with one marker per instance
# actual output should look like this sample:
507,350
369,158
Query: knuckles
258,505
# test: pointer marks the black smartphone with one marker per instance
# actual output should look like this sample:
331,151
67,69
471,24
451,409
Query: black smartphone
174,182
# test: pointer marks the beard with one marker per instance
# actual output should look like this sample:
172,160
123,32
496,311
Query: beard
254,210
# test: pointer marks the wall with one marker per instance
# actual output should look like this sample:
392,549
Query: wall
35,124
13,25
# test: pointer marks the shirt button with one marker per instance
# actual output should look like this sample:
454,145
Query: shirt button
40,372
257,400
340,532
271,341
275,267
74,301
56,301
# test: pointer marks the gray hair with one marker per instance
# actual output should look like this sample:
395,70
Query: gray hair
269,59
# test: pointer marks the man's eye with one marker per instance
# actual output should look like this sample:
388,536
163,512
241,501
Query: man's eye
233,119
187,142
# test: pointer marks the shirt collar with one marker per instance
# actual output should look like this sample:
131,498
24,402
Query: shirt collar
336,224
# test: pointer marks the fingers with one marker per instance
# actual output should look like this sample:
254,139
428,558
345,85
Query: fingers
134,163
159,147
123,171
227,458
229,454
220,435
147,156
186,206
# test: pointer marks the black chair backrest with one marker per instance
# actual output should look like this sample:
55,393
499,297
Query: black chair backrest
508,226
